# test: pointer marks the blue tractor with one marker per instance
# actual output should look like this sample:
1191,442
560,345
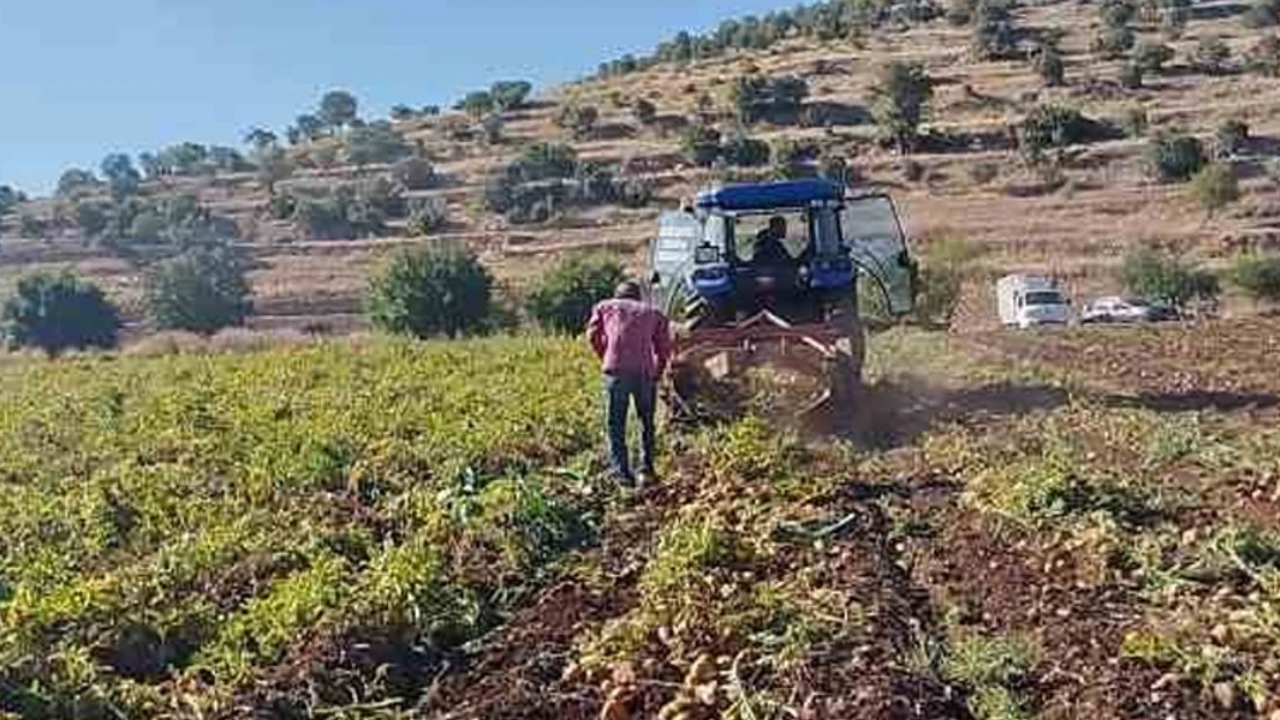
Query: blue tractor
768,275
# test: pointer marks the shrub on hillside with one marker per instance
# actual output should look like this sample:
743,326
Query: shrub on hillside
383,195
1049,65
122,178
1117,13
1131,76
755,97
347,211
377,142
1113,43
414,174
563,298
92,218
960,12
9,199
902,96
1264,57
634,192
1230,138
791,158
476,104
510,94
945,266
147,227
1258,276
32,227
994,35
700,144
579,120
1175,158
202,290
491,128
1212,56
545,160
281,206
743,151
338,109
427,216
548,179
1055,127
1174,17
1152,57
644,111
1159,277
76,181
1262,14
837,169
58,312
441,290
273,166
177,220
1135,122
1215,187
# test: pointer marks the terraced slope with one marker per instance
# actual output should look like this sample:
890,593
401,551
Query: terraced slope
1102,201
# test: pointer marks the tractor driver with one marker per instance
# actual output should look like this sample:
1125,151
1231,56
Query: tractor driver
769,249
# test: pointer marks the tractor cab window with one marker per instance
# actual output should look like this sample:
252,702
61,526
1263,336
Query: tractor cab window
753,235
870,229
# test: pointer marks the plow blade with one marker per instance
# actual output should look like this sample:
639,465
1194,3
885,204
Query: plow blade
792,373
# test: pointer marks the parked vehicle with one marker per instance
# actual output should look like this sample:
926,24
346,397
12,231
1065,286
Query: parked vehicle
1115,309
1027,300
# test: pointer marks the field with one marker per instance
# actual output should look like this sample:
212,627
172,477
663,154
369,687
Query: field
1069,525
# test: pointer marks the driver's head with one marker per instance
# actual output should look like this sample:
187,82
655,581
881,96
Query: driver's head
778,226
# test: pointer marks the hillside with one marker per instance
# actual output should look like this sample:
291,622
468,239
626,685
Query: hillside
966,179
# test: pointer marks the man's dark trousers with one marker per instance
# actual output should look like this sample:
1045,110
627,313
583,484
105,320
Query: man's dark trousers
620,390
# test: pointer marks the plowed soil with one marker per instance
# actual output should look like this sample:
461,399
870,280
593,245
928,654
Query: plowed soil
923,562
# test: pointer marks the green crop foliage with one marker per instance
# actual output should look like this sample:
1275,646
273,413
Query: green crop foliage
213,516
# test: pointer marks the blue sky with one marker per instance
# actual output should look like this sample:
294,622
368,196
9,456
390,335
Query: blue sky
81,78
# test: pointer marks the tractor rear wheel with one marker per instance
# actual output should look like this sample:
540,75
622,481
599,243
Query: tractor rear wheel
850,357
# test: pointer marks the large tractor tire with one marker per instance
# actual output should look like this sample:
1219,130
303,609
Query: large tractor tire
847,366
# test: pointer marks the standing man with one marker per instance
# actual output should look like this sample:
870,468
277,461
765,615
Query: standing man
633,341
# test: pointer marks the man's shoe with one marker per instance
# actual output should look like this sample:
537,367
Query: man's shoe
646,478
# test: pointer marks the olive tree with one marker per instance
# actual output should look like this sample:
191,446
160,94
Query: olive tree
338,108
9,199
273,166
476,104
510,94
1258,276
377,142
902,98
1215,186
59,312
74,181
202,290
439,290
1156,276
563,298
259,138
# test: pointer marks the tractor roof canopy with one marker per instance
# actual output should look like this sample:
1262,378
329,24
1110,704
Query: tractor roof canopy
769,196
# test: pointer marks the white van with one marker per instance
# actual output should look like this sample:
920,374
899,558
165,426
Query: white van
1028,300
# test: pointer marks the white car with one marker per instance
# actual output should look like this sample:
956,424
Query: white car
1115,309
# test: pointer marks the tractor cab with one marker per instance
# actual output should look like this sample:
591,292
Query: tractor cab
786,247
767,276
